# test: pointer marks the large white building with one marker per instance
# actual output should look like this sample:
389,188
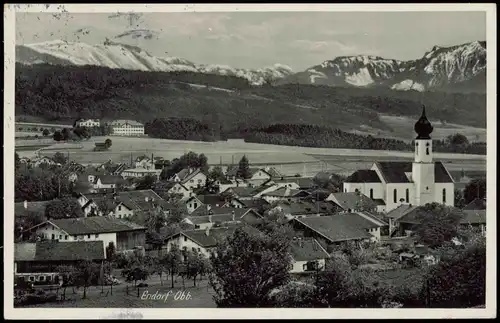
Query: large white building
413,183
127,128
89,123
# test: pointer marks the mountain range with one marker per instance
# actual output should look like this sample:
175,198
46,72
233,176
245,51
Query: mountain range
460,68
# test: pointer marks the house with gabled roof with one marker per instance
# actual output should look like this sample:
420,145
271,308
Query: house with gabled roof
123,234
298,183
208,217
474,219
258,176
308,255
37,262
476,204
176,188
191,178
203,241
353,202
335,229
285,193
192,204
418,183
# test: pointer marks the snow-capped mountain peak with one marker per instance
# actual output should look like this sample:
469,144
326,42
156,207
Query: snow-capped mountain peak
461,66
116,55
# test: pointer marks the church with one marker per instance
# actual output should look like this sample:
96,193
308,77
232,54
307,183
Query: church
413,183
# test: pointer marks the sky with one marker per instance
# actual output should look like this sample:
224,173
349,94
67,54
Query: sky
258,39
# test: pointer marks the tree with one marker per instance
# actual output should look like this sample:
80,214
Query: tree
60,158
475,189
458,198
63,208
459,281
146,183
85,274
155,220
195,265
136,270
457,140
66,134
243,168
438,224
172,261
216,174
45,132
110,251
58,136
68,274
177,213
108,143
247,267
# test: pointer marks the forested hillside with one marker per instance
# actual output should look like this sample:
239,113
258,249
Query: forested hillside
195,106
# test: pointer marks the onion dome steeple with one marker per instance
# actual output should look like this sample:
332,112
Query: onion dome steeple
423,127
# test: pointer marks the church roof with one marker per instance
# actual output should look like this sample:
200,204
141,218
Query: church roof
395,172
423,127
363,176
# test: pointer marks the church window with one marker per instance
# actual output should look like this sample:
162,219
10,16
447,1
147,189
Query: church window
444,195
427,151
407,195
371,193
356,190
395,196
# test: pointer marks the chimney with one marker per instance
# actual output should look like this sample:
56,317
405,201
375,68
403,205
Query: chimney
207,231
232,213
25,204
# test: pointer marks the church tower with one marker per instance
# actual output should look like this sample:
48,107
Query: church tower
423,165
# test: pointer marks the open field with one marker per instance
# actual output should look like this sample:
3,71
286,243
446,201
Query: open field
289,160
401,126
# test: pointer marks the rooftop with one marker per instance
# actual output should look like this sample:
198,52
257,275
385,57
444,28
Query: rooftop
94,225
59,251
395,172
337,228
307,250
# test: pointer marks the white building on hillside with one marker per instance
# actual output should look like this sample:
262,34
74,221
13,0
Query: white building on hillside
127,128
413,183
89,123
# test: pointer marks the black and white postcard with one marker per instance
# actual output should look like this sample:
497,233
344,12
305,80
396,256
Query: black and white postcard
249,161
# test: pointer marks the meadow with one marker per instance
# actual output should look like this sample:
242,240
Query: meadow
287,159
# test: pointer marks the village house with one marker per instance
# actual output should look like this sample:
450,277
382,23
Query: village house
208,217
285,193
144,162
176,188
42,161
308,255
89,123
224,184
296,183
418,183
402,220
202,241
192,204
258,176
124,235
476,204
37,262
214,200
335,229
124,204
106,181
127,128
191,178
306,208
140,172
475,219
353,202
249,193
112,168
